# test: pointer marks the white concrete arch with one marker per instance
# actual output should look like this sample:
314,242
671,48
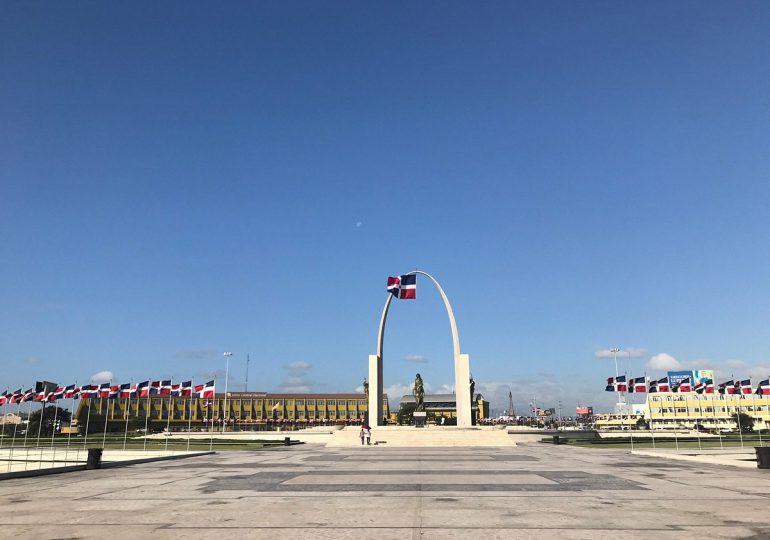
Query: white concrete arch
461,361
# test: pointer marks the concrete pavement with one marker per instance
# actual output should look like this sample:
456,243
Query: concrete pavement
532,491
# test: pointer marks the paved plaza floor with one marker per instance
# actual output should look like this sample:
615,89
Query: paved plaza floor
529,491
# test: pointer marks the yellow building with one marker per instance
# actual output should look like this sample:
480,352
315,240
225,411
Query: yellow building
243,411
712,412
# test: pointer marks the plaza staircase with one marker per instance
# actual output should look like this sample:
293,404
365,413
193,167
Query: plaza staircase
431,436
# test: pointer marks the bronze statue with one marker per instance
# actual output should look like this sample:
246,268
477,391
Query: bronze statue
366,389
419,394
472,384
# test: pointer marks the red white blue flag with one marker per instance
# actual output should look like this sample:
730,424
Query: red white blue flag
637,385
403,287
764,388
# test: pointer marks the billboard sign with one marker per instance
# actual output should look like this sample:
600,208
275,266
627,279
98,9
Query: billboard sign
584,411
702,375
676,377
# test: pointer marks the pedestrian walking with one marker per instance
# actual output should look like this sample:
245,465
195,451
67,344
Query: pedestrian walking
368,435
362,434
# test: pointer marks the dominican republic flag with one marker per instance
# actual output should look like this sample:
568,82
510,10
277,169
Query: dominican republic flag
205,390
71,391
403,287
127,390
705,386
764,388
746,386
5,397
186,389
88,391
143,389
165,388
727,388
616,384
155,387
663,385
653,386
56,394
175,390
114,392
637,385
29,395
15,397
104,390
682,386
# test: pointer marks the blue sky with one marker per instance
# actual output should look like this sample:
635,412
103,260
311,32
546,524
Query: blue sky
183,179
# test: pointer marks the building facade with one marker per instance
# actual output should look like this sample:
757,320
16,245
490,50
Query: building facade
446,405
712,412
243,411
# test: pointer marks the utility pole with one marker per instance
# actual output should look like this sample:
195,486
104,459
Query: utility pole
246,386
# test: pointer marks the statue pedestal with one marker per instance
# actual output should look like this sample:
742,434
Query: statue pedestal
418,418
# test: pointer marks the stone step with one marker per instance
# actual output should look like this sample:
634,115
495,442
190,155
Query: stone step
434,436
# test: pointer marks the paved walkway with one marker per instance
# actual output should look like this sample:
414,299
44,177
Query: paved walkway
530,491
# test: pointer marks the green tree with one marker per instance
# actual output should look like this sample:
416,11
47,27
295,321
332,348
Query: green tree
642,424
744,422
48,414
405,414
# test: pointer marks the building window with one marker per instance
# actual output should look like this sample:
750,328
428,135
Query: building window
299,402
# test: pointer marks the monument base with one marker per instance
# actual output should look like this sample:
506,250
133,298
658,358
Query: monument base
418,418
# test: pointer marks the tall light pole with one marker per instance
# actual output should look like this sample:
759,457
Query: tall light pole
227,356
615,351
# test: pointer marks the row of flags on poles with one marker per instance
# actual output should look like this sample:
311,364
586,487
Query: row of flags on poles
44,394
705,386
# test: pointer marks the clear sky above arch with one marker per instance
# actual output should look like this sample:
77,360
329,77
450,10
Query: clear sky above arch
178,180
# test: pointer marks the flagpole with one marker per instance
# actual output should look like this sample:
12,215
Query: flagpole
2,435
716,421
189,413
88,415
211,433
754,410
13,440
69,431
106,413
40,424
697,424
53,436
649,408
147,416
629,379
128,413
168,414
737,409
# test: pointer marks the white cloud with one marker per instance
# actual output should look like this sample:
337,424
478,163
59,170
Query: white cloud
759,372
735,364
298,366
395,392
622,353
102,377
296,380
358,224
664,362
416,359
32,360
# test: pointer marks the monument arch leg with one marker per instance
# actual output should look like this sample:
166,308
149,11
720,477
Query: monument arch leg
375,409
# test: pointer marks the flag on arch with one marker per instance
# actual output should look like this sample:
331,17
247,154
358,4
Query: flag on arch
403,287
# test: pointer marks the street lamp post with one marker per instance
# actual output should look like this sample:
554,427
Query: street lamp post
227,356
